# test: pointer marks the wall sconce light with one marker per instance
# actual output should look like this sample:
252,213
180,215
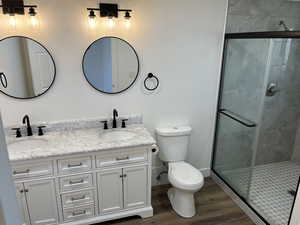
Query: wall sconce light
92,19
127,20
111,11
17,7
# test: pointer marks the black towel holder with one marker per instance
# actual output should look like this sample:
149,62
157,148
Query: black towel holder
151,76
3,82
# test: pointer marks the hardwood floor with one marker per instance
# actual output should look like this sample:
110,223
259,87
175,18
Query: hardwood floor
213,205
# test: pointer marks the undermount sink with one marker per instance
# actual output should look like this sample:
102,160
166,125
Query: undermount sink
119,135
25,144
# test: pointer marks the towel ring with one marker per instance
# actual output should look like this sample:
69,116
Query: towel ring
151,76
3,80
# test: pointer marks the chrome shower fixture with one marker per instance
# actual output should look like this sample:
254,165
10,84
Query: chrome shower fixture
283,24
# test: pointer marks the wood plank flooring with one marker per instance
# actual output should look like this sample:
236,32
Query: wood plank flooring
214,207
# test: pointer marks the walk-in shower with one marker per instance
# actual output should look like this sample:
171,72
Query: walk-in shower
257,140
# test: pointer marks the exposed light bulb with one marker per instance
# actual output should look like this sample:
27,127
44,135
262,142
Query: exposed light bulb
12,21
111,23
34,21
92,19
92,22
127,19
127,23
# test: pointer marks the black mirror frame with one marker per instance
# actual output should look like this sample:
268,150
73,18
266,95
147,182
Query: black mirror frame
138,68
19,36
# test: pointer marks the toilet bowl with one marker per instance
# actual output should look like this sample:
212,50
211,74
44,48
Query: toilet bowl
186,180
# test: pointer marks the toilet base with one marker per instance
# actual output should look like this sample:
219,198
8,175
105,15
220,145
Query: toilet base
182,202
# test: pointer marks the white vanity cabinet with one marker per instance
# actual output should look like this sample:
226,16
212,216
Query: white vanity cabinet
22,203
110,191
135,185
37,201
121,189
85,188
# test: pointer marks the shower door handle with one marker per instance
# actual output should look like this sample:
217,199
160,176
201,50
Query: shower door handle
237,118
272,89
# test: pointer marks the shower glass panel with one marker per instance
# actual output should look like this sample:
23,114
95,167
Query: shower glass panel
257,141
239,110
276,166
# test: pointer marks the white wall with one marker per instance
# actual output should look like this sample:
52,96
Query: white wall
9,209
179,41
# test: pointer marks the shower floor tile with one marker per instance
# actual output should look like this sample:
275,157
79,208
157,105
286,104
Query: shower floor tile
268,188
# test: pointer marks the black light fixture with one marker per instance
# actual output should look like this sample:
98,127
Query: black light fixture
17,7
110,11
92,14
13,7
127,15
32,11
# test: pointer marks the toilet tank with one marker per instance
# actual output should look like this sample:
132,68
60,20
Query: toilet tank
173,143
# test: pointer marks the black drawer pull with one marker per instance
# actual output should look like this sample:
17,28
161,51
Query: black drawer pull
122,158
75,165
76,182
21,172
73,199
79,213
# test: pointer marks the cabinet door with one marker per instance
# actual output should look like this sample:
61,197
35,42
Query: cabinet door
135,187
41,202
22,203
110,191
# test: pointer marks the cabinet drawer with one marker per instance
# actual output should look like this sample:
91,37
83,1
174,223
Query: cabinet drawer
76,199
74,165
78,213
73,183
32,170
121,157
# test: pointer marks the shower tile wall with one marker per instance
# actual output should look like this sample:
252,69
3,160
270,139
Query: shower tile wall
277,141
262,15
280,118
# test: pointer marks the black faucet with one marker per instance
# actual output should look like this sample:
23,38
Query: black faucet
27,121
115,114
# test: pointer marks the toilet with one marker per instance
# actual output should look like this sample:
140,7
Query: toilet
185,179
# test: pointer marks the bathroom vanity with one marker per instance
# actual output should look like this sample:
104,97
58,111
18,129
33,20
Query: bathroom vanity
83,176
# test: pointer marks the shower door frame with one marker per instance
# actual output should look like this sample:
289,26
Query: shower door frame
248,35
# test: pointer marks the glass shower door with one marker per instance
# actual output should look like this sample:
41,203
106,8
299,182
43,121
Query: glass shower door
276,166
241,104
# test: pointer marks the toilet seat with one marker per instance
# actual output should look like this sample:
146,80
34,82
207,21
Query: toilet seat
184,176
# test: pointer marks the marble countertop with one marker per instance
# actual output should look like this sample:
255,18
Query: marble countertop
63,143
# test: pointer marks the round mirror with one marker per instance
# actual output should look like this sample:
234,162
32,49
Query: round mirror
110,65
27,69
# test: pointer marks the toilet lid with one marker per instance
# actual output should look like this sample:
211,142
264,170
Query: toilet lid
185,173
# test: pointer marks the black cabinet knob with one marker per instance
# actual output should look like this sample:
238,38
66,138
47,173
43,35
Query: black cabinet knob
105,126
41,132
18,132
